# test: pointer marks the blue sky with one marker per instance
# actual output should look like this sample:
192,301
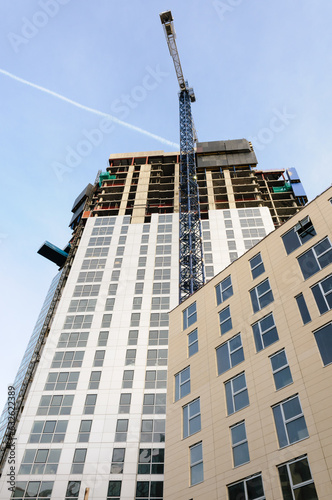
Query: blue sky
260,70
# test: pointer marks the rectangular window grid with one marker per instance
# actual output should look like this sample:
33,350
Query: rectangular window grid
322,293
225,320
86,291
149,490
121,430
40,462
153,431
73,339
196,464
192,343
154,404
78,461
236,394
37,490
151,461
290,422
250,488
182,383
189,315
89,405
224,290
51,431
55,405
265,332
316,258
298,235
192,418
118,458
229,354
78,322
124,404
280,370
67,359
61,381
240,447
261,295
296,480
84,431
301,304
256,266
156,379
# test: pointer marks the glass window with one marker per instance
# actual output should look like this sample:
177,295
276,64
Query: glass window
182,383
156,379
290,422
280,369
316,258
191,418
154,404
140,274
151,461
224,290
236,393
99,231
132,337
130,356
77,322
137,302
90,403
109,305
298,235
145,238
265,332
250,488
67,359
96,252
256,266
323,337
121,430
78,461
122,240
158,337
208,258
160,302
115,276
196,464
94,380
93,264
230,354
112,289
161,288
127,379
40,461
73,489
102,339
296,480
239,444
135,319
106,321
61,381
159,319
157,357
143,250
101,241
164,238
120,251
84,431
153,431
189,316
86,291
139,287
99,358
164,261
301,304
225,320
261,295
32,489
51,431
73,339
55,405
322,292
125,401
149,490
141,262
90,276
192,343
118,460
114,490
162,274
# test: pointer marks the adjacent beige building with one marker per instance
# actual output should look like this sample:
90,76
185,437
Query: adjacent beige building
249,403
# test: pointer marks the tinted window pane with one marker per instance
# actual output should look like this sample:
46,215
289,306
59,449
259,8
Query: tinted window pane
303,309
324,341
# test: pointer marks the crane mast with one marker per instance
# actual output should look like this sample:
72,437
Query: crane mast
191,276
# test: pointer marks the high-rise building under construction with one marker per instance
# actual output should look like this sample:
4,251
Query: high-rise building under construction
91,389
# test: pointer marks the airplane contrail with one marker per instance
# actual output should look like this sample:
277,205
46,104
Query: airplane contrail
90,110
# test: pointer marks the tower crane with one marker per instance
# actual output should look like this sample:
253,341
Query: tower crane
191,276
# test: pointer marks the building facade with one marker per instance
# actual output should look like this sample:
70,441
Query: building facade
249,406
91,422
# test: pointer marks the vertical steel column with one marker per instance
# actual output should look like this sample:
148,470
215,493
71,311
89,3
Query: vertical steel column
191,253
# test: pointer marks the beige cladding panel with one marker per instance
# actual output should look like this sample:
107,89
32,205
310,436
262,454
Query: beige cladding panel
311,380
